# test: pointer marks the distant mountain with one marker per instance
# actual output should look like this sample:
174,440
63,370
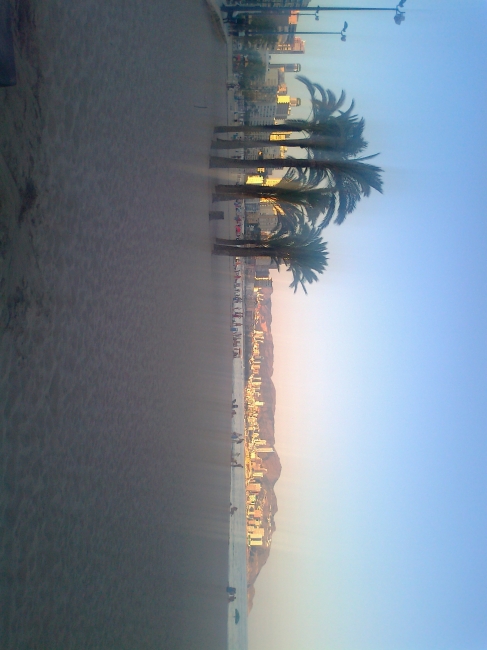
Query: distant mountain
257,555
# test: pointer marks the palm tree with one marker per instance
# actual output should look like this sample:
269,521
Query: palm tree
347,144
335,137
292,219
327,117
301,251
316,201
346,182
297,190
289,220
280,193
341,165
368,175
329,128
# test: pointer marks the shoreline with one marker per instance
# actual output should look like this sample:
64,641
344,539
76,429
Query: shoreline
216,20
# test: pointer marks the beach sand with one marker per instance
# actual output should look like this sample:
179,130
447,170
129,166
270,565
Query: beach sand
116,353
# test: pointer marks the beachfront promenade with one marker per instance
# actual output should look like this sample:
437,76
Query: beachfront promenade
237,557
237,561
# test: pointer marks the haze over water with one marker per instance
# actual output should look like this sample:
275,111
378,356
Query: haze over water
116,347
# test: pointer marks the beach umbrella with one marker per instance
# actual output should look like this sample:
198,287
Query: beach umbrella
237,616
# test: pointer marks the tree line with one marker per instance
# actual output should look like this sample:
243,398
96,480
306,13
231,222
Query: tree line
322,185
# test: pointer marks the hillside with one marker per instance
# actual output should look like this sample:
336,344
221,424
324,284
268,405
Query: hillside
258,555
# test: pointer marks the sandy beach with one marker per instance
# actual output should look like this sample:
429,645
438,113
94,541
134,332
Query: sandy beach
116,350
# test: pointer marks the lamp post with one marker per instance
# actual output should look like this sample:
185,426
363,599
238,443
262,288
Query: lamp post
250,32
399,15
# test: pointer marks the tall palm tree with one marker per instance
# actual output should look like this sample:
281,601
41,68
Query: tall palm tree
346,182
291,205
335,138
326,114
347,146
289,221
341,165
367,176
328,128
292,219
301,251
297,190
315,201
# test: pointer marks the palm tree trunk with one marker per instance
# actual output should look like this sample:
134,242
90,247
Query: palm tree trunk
297,196
237,251
305,143
249,191
264,128
237,242
267,163
232,192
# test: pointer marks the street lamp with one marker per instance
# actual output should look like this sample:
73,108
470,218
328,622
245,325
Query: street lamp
399,14
250,32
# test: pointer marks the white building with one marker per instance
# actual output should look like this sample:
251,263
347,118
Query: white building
263,113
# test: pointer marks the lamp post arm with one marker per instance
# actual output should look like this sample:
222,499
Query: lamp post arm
251,33
280,10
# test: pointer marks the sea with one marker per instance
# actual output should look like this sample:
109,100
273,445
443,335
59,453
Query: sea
116,347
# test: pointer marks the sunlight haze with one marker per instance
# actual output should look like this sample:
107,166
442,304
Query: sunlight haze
381,371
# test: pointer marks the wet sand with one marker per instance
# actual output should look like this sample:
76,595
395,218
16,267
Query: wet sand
116,351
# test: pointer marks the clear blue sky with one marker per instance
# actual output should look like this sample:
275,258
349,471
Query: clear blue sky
381,371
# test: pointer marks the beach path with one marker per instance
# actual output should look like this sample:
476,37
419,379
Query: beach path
116,350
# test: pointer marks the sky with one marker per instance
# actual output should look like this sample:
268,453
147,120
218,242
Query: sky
381,371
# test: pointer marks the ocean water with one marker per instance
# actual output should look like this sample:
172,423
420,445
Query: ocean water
115,356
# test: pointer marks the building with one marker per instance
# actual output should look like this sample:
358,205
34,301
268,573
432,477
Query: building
256,532
284,105
254,487
268,152
286,67
262,108
268,223
274,77
287,99
296,46
263,282
264,215
282,110
262,113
